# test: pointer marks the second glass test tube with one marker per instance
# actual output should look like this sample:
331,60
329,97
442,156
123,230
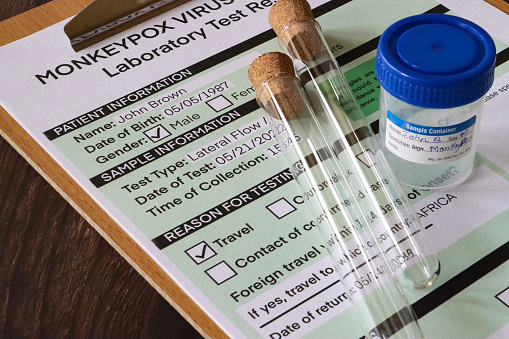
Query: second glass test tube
385,205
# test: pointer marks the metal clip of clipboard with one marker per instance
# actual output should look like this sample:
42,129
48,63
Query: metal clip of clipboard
105,18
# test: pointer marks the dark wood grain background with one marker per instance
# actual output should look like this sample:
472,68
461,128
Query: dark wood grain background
58,277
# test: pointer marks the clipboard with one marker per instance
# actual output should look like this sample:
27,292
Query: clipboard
31,22
503,5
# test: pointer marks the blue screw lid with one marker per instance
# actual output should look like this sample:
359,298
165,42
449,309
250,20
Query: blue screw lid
436,61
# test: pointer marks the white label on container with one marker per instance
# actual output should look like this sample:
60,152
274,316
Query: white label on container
426,144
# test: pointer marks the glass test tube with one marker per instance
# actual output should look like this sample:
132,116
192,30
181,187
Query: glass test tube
377,299
397,228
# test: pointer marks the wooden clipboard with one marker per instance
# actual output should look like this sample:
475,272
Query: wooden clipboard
29,23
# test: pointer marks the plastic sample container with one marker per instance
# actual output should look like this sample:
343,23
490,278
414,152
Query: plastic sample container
434,71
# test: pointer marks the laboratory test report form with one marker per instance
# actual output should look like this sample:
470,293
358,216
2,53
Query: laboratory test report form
160,126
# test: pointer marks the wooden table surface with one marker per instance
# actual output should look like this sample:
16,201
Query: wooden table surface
58,277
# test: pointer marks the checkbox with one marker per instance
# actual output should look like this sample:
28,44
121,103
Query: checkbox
219,103
281,208
368,158
504,297
200,252
221,272
157,133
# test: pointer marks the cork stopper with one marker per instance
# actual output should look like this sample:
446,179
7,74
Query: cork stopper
294,24
272,76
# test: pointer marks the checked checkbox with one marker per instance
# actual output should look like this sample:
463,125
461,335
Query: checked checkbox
157,133
200,252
